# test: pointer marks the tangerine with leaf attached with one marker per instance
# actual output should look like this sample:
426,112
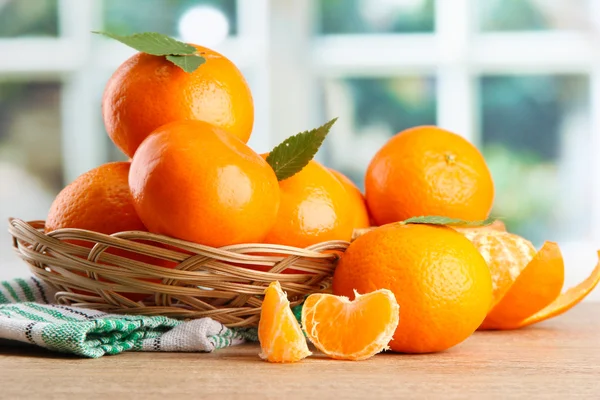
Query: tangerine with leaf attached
314,208
148,91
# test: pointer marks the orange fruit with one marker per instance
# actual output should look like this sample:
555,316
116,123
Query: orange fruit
428,171
314,208
100,201
358,205
351,330
537,285
440,280
194,181
279,333
148,91
506,254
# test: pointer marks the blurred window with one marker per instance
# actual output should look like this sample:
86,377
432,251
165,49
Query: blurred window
30,158
130,16
536,135
30,131
368,16
370,111
531,15
28,18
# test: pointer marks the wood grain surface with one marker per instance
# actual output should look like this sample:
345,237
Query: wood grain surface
556,359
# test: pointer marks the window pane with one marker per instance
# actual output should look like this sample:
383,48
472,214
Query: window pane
28,18
375,16
30,159
370,111
532,15
179,18
535,138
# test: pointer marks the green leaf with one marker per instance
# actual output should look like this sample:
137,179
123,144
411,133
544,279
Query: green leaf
187,63
153,43
436,220
289,157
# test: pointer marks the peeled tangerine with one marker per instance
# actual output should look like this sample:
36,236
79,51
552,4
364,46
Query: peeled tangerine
526,285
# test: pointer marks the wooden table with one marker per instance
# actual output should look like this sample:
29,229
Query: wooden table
559,358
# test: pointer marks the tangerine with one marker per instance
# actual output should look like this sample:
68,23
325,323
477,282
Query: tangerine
428,171
358,205
314,208
194,181
439,279
148,91
100,201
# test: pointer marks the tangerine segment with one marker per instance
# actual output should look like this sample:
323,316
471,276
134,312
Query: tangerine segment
279,333
537,286
351,330
506,255
567,300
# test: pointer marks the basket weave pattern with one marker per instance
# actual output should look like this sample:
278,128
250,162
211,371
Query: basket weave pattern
225,284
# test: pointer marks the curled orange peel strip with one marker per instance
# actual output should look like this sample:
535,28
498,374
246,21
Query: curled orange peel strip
567,300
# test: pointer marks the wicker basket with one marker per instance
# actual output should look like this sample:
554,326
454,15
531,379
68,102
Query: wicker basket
204,281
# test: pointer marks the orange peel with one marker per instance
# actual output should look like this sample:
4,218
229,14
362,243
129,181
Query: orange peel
566,300
527,284
538,284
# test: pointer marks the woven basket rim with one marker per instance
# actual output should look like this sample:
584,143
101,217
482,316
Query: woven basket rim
181,279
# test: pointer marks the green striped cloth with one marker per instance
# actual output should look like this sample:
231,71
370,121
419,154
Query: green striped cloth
28,314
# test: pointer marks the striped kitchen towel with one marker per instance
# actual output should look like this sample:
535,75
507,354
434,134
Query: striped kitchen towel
27,314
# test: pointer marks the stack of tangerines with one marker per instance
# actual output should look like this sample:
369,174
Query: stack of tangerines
191,175
424,272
